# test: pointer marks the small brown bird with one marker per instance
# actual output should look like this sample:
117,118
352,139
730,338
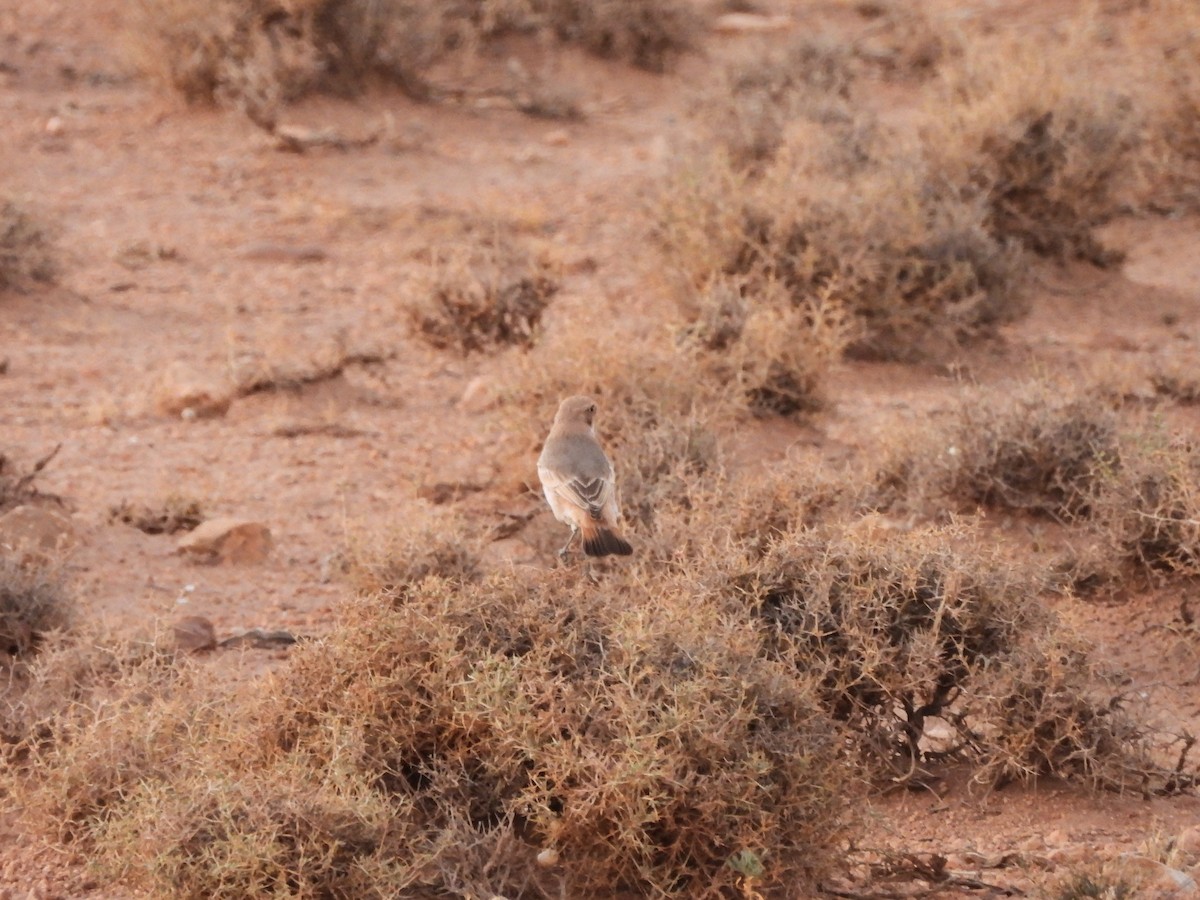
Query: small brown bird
578,480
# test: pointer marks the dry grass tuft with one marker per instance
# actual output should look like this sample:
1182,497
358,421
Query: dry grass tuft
34,603
174,514
25,250
483,299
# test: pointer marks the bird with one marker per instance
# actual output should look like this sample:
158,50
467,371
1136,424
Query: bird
579,482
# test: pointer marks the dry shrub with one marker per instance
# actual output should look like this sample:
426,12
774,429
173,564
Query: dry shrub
1058,715
756,98
1036,450
895,629
1149,510
774,352
1096,882
271,832
555,713
34,602
906,40
1051,155
647,33
1168,44
1129,487
259,54
173,514
483,298
436,747
397,563
902,630
25,251
82,728
862,227
18,487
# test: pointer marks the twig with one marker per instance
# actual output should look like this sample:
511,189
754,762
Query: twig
26,480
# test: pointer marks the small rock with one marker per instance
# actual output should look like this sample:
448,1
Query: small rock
1035,843
547,858
35,533
478,396
184,393
1189,843
227,540
1154,876
265,251
559,137
55,125
194,634
1071,855
750,23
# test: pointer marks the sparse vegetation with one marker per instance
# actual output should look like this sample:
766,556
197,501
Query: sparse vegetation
25,249
34,602
833,596
260,55
853,225
175,513
483,298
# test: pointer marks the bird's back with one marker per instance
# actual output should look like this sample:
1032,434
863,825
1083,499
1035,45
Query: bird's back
577,456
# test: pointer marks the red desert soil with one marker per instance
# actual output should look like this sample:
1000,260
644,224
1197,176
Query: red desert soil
195,250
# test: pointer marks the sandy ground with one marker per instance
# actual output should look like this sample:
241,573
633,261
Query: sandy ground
197,252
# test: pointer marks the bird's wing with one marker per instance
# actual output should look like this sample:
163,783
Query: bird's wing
588,494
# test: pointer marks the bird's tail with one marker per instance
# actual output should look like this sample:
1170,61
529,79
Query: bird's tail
601,540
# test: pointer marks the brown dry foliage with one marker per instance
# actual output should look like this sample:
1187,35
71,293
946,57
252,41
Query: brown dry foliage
901,630
774,352
858,226
25,249
454,725
1039,452
482,299
439,742
1129,486
260,54
34,602
1051,156
173,514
